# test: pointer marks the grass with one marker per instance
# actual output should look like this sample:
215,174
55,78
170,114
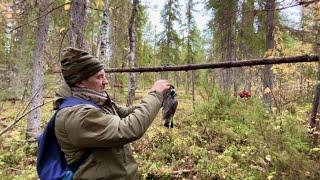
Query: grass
223,138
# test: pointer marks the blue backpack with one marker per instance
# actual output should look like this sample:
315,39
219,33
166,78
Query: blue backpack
51,163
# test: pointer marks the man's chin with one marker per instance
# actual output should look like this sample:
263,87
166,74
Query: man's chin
102,91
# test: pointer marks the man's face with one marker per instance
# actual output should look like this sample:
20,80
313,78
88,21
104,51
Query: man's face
96,82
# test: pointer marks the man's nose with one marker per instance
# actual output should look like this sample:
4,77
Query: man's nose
105,82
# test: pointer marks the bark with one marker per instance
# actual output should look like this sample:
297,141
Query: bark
252,62
245,36
105,49
229,21
270,45
132,51
78,23
315,105
225,22
33,125
189,16
193,86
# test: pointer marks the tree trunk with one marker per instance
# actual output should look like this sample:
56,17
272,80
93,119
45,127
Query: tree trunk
78,23
245,38
315,105
33,125
270,44
132,52
189,48
105,41
16,88
169,30
193,83
187,82
229,50
226,22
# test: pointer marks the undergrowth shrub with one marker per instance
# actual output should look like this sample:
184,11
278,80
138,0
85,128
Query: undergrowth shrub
248,142
229,138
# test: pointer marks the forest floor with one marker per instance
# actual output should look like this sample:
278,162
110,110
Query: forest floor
222,138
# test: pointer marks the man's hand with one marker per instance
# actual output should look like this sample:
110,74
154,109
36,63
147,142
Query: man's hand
161,86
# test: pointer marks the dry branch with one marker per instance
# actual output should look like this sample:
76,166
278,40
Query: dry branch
22,116
229,64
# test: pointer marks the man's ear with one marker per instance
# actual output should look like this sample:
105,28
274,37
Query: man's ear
80,84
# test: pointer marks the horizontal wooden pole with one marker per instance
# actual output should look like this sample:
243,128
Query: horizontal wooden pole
229,64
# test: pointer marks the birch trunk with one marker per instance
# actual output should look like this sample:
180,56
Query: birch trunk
132,52
33,125
105,49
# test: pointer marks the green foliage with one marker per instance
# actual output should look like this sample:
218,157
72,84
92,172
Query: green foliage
170,42
224,138
229,138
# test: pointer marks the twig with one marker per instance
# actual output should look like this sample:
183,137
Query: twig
15,169
64,35
53,9
22,116
301,3
181,171
26,107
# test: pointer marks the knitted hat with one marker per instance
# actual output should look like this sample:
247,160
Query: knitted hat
78,65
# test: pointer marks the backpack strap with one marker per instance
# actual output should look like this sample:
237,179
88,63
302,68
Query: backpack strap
72,101
69,102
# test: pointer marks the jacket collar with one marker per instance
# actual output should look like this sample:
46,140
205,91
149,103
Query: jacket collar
91,95
88,94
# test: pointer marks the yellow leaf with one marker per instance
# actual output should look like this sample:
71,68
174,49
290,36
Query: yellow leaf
67,6
62,29
315,149
267,90
268,158
100,3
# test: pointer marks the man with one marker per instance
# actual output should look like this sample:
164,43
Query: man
106,131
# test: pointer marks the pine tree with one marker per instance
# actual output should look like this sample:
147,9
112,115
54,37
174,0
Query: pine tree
33,126
169,38
78,23
224,32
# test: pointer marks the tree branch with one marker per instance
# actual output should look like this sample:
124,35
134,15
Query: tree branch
229,64
22,116
53,9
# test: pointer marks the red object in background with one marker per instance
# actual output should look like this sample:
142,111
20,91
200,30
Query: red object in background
244,94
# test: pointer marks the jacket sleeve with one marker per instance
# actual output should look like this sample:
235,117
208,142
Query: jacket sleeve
124,111
87,126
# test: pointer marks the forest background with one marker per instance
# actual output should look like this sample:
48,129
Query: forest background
217,134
